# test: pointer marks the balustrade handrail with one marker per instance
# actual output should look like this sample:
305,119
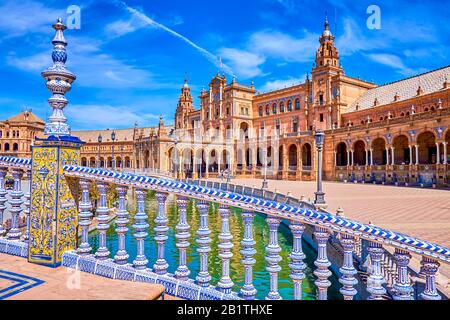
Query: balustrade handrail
270,207
15,162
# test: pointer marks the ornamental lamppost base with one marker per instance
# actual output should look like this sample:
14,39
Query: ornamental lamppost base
319,201
265,184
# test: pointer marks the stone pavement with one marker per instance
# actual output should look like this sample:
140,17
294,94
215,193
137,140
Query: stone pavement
67,284
420,212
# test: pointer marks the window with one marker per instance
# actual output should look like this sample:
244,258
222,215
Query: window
281,107
267,110
289,105
297,104
321,117
260,111
321,99
6,146
274,108
294,126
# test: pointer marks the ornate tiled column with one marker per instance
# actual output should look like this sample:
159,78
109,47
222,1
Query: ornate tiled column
402,286
297,265
273,258
16,203
248,291
182,237
161,237
322,263
348,270
225,283
140,226
102,218
27,206
430,268
3,198
121,256
84,217
375,280
203,241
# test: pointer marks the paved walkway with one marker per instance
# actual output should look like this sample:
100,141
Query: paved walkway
419,212
20,280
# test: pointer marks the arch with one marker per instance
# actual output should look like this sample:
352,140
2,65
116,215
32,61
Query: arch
213,160
244,129
83,162
147,159
6,146
274,108
127,162
359,153
281,107
199,161
92,162
267,110
15,146
427,147
289,105
297,104
306,156
292,157
226,160
341,154
109,164
118,162
102,162
260,111
379,151
401,149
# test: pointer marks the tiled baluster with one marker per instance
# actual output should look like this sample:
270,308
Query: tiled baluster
225,283
430,268
375,280
27,205
3,198
16,203
203,240
161,229
297,265
102,218
273,258
402,287
140,226
348,270
121,256
322,263
248,291
84,217
182,237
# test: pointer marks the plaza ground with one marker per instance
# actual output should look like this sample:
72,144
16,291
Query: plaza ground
420,212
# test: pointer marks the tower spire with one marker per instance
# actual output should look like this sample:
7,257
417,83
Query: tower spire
58,80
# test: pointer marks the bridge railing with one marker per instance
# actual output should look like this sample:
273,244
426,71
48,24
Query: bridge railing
276,207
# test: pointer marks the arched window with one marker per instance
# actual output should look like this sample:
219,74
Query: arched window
297,104
6,146
17,134
15,147
260,111
267,110
274,108
281,107
289,105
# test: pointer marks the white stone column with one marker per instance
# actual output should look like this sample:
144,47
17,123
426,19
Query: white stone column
392,156
371,157
367,157
430,268
297,265
445,153
335,158
402,285
248,291
348,271
417,154
273,258
103,219
410,154
161,229
182,235
353,156
16,205
203,240
140,230
375,280
387,155
84,217
225,246
121,256
437,153
322,263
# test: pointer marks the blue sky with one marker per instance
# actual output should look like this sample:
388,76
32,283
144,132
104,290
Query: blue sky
131,58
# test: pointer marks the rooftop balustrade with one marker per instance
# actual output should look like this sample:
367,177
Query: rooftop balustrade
388,276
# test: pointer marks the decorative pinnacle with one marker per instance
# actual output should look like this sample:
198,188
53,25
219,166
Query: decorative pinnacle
59,80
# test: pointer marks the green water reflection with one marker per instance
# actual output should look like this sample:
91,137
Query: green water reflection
261,235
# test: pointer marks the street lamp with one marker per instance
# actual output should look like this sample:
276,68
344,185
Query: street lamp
100,138
320,195
265,183
113,138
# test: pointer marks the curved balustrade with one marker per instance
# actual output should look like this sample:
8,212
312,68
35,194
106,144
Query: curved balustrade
391,273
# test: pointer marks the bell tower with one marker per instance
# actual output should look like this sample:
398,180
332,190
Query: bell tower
184,106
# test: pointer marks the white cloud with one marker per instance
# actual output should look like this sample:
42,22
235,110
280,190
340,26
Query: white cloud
394,62
245,63
107,116
281,83
122,27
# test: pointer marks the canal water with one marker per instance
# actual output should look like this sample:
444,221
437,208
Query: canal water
261,235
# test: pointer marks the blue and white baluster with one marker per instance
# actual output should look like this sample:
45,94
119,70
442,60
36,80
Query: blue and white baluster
402,286
348,271
297,265
375,280
27,206
3,199
225,283
84,217
161,229
121,256
248,290
182,237
203,240
430,267
273,258
140,226
16,203
102,218
322,263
